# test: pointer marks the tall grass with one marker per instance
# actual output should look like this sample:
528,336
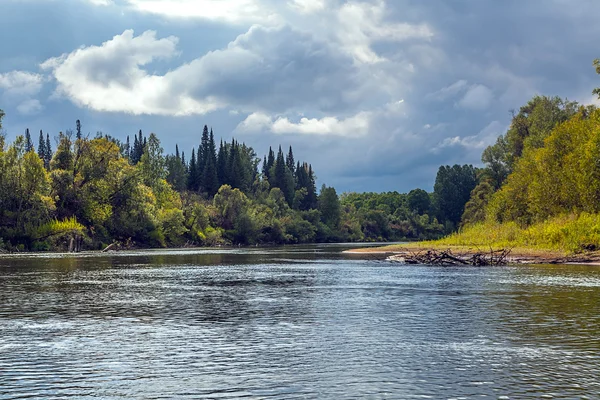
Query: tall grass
56,227
569,233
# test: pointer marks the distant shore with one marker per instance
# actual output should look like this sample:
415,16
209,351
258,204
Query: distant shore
517,255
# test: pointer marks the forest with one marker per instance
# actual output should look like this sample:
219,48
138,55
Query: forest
76,192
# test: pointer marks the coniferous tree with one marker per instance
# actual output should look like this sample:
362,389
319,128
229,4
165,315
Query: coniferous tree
42,148
48,152
28,142
203,150
265,168
210,178
222,164
177,152
127,148
290,161
311,189
193,172
270,164
283,178
78,129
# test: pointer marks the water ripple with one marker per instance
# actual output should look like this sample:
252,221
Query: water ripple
287,324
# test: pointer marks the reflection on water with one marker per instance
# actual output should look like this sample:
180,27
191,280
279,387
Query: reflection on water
299,322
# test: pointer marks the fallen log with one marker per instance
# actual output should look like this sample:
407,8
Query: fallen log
110,247
447,258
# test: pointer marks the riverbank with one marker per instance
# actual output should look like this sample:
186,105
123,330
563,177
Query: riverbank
517,255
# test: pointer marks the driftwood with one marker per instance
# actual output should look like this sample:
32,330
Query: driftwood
447,258
110,247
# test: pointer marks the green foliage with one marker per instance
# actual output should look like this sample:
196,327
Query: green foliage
451,192
562,176
55,228
569,233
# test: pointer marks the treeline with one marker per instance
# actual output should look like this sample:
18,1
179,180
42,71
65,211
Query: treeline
78,192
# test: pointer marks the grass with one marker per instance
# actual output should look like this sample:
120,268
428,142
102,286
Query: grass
561,235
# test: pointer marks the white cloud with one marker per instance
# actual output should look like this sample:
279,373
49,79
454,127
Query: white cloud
231,11
307,6
19,87
359,25
30,107
480,141
101,2
21,83
273,69
357,125
478,97
449,91
109,77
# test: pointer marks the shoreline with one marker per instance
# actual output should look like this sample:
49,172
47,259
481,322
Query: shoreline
518,256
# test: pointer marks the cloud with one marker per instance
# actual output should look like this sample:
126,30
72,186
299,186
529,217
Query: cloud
109,77
19,87
449,91
272,69
230,11
101,2
359,25
480,141
307,6
21,83
30,107
357,125
477,97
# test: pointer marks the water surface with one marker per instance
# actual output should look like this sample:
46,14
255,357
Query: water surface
296,322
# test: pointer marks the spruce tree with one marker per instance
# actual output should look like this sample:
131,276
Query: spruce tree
28,142
42,148
210,178
48,152
290,161
193,172
222,164
78,128
265,168
128,148
283,178
270,164
311,189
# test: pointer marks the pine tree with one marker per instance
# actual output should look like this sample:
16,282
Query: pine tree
28,142
193,172
222,164
311,189
127,148
177,152
49,153
78,128
270,164
42,148
290,161
265,168
183,160
283,178
210,177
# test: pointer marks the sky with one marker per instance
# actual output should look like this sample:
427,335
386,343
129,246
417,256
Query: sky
375,94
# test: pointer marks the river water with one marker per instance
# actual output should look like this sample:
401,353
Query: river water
297,322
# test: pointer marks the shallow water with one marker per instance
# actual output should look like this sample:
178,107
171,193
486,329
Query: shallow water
297,322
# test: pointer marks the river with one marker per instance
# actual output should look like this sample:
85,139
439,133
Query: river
295,322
